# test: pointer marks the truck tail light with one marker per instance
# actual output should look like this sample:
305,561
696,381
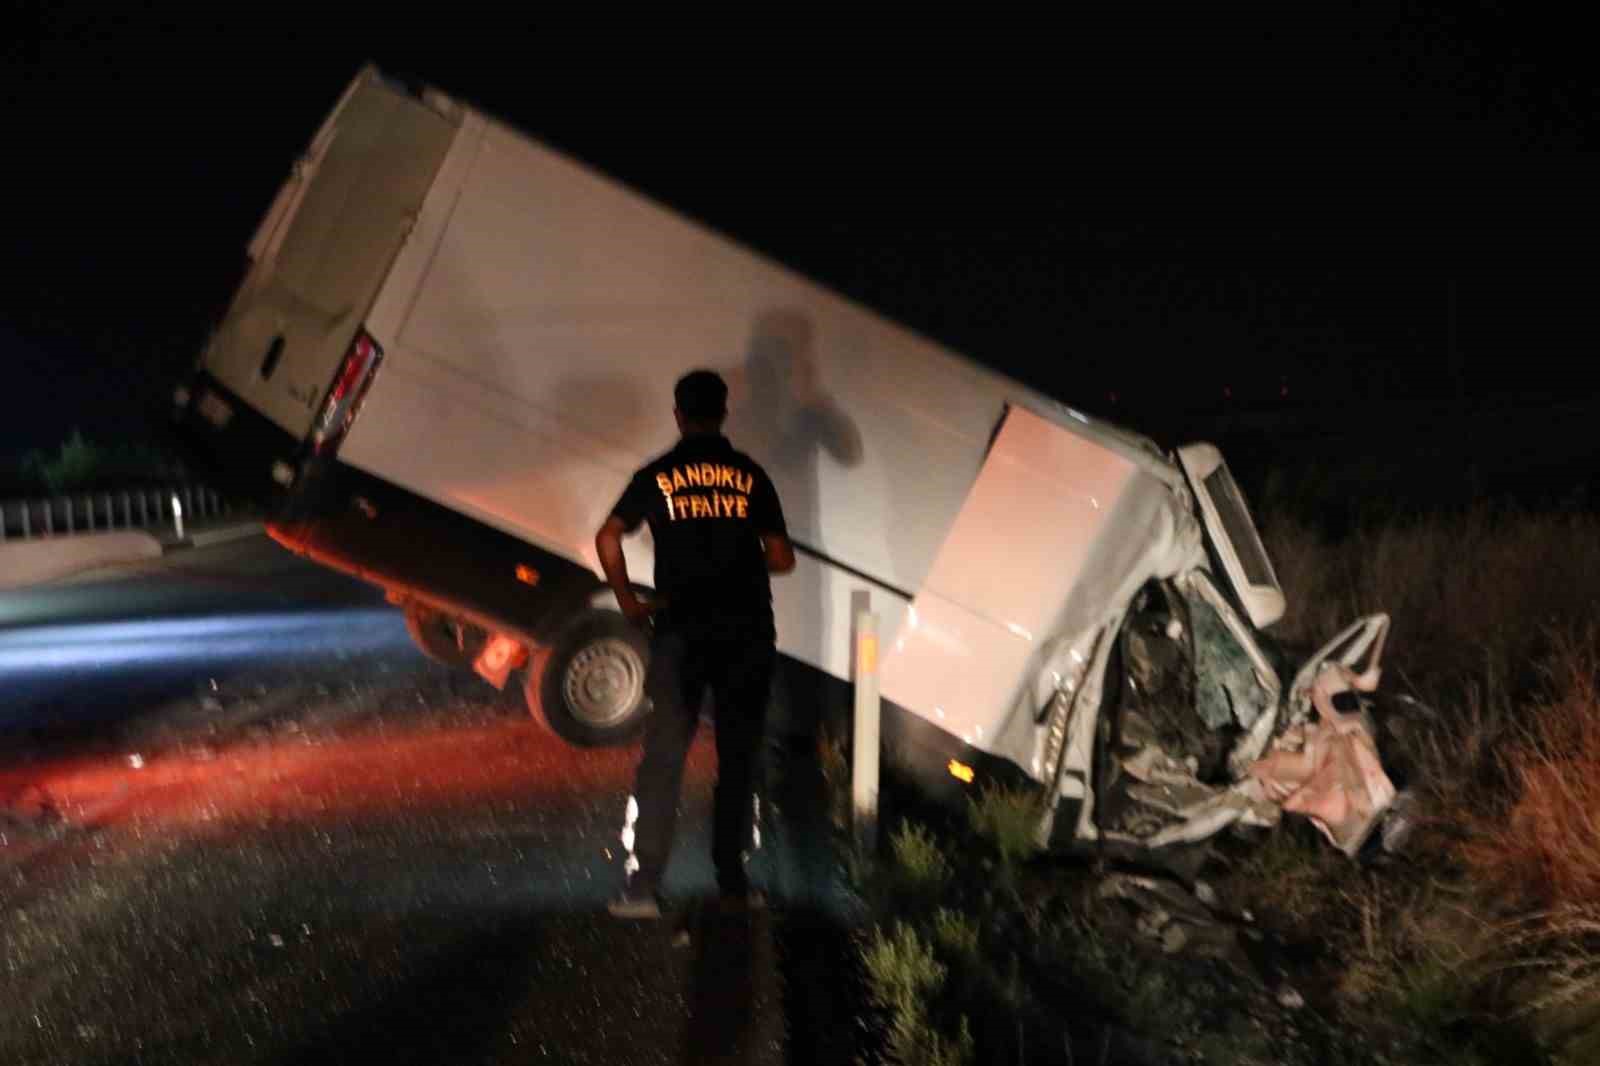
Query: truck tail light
355,377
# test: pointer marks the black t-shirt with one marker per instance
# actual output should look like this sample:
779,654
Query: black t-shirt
708,506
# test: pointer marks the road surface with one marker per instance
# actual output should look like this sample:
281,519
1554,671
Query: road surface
243,821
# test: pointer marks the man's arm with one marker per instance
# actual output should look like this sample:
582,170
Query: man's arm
779,553
766,515
608,546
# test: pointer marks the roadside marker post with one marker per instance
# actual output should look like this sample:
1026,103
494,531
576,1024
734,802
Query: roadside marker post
865,751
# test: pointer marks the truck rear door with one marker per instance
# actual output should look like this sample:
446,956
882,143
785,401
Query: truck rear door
324,249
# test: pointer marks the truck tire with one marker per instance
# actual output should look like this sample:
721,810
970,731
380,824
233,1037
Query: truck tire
443,637
587,687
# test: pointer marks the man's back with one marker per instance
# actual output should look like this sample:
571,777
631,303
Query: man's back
708,506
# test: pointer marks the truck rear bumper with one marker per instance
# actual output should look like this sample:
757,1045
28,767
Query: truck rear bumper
243,453
361,525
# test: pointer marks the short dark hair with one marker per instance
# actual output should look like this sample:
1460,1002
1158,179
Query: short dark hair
701,394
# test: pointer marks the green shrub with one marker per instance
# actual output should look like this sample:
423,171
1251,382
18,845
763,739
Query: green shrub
903,979
82,465
74,466
1009,820
956,933
919,861
901,968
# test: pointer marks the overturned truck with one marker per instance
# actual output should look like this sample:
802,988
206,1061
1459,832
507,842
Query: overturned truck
453,345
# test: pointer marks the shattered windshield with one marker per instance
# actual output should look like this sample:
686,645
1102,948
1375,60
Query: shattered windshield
1227,690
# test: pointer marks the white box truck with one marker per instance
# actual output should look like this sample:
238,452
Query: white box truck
453,345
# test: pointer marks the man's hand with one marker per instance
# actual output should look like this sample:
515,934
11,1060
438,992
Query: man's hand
634,609
608,546
779,553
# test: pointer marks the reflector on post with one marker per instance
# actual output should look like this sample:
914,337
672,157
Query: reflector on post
864,753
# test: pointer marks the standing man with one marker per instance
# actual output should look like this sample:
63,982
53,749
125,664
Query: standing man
719,532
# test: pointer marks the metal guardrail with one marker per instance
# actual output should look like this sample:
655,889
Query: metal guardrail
96,512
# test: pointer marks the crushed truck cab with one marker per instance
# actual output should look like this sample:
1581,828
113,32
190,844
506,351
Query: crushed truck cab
1095,617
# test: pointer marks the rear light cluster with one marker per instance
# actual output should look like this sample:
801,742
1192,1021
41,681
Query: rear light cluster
355,376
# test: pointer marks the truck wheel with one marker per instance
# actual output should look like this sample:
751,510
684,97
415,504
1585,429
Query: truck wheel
443,637
588,687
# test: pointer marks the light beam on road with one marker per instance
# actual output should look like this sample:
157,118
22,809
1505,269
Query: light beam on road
216,639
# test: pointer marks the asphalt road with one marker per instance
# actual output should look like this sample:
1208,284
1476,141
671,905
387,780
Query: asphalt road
243,821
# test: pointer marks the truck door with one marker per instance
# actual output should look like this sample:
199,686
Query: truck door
1038,515
324,249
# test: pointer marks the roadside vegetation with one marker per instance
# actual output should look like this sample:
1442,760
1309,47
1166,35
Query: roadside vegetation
82,464
1493,709
1476,941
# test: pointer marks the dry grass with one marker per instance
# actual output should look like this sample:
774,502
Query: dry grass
1493,633
1476,599
1546,850
1480,604
1413,947
1539,856
1562,945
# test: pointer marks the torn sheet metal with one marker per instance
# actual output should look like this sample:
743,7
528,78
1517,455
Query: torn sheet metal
1322,762
1329,770
1357,647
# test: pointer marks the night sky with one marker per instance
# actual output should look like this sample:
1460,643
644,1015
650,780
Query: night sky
1161,220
